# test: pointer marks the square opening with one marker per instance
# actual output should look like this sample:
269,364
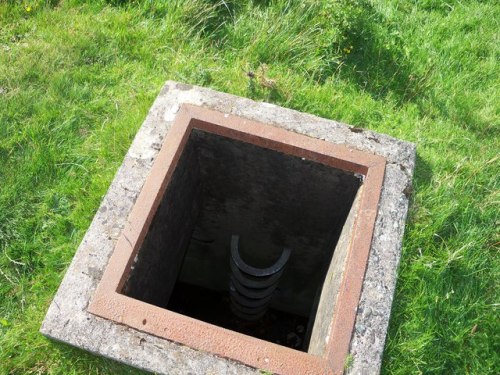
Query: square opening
219,177
223,187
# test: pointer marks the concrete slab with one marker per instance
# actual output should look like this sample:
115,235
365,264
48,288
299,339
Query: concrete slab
68,319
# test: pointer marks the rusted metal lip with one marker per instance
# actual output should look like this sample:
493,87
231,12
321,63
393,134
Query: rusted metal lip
108,303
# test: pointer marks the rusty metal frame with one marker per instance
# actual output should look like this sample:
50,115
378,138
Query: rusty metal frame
108,303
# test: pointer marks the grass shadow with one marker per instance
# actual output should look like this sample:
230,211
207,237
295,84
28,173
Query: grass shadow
423,172
375,60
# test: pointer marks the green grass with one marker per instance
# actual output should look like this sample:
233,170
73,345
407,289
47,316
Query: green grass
77,79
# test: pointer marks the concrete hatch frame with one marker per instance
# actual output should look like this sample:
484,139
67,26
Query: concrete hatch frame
386,166
109,303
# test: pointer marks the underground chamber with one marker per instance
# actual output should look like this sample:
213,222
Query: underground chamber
273,202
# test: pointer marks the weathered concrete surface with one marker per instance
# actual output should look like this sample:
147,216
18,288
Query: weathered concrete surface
68,320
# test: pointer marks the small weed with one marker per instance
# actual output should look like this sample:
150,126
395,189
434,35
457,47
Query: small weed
349,361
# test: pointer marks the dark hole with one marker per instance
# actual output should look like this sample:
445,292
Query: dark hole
214,307
272,200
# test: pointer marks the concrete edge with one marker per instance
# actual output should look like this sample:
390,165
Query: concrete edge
68,321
